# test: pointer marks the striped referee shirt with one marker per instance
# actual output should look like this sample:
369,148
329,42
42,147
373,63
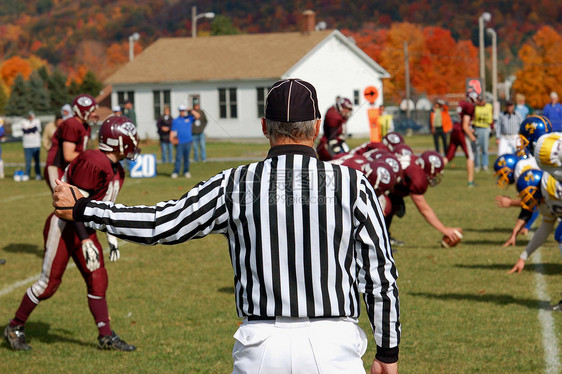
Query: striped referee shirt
306,238
508,124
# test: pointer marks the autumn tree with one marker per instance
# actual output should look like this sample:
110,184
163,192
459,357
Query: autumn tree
13,67
542,70
19,101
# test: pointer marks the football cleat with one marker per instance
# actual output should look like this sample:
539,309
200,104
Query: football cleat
113,341
557,307
15,336
396,242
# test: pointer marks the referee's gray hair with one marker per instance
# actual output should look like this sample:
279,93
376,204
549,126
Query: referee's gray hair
292,130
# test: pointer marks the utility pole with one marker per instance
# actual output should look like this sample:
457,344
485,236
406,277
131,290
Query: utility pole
407,73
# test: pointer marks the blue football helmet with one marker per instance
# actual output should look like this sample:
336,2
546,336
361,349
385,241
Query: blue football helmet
504,168
532,128
529,188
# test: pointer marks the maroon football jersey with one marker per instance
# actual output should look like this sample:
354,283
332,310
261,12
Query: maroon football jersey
94,173
466,108
70,130
414,181
333,123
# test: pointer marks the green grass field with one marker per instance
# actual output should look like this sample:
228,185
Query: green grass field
461,311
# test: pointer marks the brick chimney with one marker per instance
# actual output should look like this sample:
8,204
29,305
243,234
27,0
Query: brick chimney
308,21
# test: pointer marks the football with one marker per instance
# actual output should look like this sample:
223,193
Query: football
448,243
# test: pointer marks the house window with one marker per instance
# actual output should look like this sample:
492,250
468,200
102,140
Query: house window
356,97
228,107
160,100
122,96
262,94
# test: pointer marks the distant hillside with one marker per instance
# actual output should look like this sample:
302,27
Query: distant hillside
95,32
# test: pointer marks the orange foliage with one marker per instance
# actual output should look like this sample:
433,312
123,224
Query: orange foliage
542,68
77,75
12,67
438,64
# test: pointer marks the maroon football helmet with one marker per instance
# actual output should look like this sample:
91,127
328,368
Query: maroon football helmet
392,161
403,150
83,106
344,103
118,133
392,139
351,160
433,165
380,175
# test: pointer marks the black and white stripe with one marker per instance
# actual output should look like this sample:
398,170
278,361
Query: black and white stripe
306,238
508,124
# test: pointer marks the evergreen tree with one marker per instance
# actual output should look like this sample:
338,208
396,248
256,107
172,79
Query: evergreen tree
38,94
58,92
44,74
222,25
3,100
74,89
91,85
18,103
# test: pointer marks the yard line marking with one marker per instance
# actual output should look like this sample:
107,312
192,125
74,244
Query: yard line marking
19,197
549,340
6,290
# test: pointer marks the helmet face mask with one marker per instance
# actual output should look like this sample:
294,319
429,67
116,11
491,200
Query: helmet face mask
528,200
529,187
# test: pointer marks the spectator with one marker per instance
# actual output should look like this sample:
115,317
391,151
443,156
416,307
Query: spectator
386,120
483,119
508,129
31,140
164,125
182,137
553,111
440,123
116,109
130,112
49,131
2,133
66,112
198,132
522,108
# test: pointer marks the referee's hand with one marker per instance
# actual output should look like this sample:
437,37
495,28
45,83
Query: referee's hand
65,197
384,368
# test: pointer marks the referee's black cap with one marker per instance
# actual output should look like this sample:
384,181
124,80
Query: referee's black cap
292,100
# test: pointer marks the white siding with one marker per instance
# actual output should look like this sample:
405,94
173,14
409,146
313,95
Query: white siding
335,70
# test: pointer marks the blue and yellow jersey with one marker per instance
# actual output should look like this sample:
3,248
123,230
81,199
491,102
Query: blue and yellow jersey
523,165
552,193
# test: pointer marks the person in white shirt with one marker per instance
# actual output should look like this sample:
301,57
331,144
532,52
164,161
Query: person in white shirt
31,140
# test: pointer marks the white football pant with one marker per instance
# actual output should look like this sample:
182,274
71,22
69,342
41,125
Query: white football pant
299,346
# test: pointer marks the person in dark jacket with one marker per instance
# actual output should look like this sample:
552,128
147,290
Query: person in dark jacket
164,125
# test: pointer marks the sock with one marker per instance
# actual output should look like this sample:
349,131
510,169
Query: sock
560,248
98,307
24,310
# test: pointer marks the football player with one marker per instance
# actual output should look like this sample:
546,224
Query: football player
539,188
333,140
463,134
418,174
508,168
536,137
98,174
71,138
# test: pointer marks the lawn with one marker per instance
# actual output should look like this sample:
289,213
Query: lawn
461,311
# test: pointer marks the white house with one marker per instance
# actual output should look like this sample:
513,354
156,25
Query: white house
231,76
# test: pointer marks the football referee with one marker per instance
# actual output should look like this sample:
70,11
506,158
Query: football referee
306,238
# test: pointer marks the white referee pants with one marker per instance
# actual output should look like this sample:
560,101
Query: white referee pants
299,346
507,144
